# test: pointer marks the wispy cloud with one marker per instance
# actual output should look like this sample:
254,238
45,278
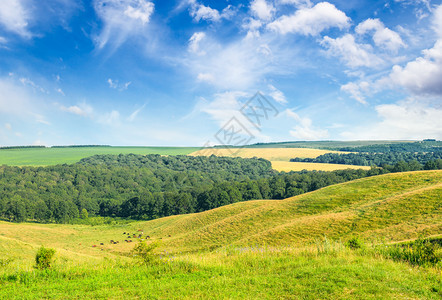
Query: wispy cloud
305,130
15,17
122,19
133,115
114,84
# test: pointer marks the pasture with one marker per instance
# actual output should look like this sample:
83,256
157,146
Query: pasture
292,248
69,155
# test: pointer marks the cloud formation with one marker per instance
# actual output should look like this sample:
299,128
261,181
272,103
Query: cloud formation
382,36
121,19
311,21
15,17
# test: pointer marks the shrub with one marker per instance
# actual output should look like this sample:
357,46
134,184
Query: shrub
145,252
354,243
43,259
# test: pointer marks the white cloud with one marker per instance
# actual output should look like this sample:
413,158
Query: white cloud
114,84
2,40
82,109
262,9
60,91
121,19
404,120
8,126
277,95
200,12
297,3
305,129
311,21
194,42
351,53
437,21
27,81
110,119
422,76
382,36
133,115
14,17
357,90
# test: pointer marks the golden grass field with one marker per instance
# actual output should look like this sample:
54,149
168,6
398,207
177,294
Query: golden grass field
288,166
272,154
280,157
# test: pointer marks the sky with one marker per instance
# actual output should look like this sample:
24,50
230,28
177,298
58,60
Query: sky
195,73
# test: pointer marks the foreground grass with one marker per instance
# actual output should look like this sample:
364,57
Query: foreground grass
233,273
54,156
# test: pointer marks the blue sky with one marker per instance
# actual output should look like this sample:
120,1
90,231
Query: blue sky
140,72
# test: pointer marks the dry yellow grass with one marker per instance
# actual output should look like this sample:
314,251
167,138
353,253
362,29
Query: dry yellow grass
288,166
272,154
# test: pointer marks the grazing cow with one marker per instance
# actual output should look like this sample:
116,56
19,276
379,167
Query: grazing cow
101,244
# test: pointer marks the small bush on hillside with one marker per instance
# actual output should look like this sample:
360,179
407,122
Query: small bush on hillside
43,259
354,243
145,252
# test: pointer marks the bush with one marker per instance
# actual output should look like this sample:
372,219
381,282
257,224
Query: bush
43,259
354,243
145,252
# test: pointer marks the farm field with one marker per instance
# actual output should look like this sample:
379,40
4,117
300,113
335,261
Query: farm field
287,166
280,157
69,155
292,248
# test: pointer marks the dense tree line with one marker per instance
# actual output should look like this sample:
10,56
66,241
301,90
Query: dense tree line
419,161
20,147
148,187
421,146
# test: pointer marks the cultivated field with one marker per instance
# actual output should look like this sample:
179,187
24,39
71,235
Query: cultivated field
288,166
257,249
280,157
69,155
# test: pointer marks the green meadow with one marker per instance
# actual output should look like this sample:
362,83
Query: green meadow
69,155
296,248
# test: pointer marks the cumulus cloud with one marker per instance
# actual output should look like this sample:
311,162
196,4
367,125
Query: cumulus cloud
351,53
15,17
297,3
423,76
262,9
122,18
311,21
404,120
382,36
305,129
200,12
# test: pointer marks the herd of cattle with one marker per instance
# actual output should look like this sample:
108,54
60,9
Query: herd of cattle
130,236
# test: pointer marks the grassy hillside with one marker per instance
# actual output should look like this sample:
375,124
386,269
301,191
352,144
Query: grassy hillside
68,155
257,249
394,206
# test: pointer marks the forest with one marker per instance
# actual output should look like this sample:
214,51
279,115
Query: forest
414,160
149,187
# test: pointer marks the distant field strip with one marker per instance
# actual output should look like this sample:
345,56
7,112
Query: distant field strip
280,157
69,155
272,154
288,166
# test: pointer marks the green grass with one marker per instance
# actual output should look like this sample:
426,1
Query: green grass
324,144
68,155
267,249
